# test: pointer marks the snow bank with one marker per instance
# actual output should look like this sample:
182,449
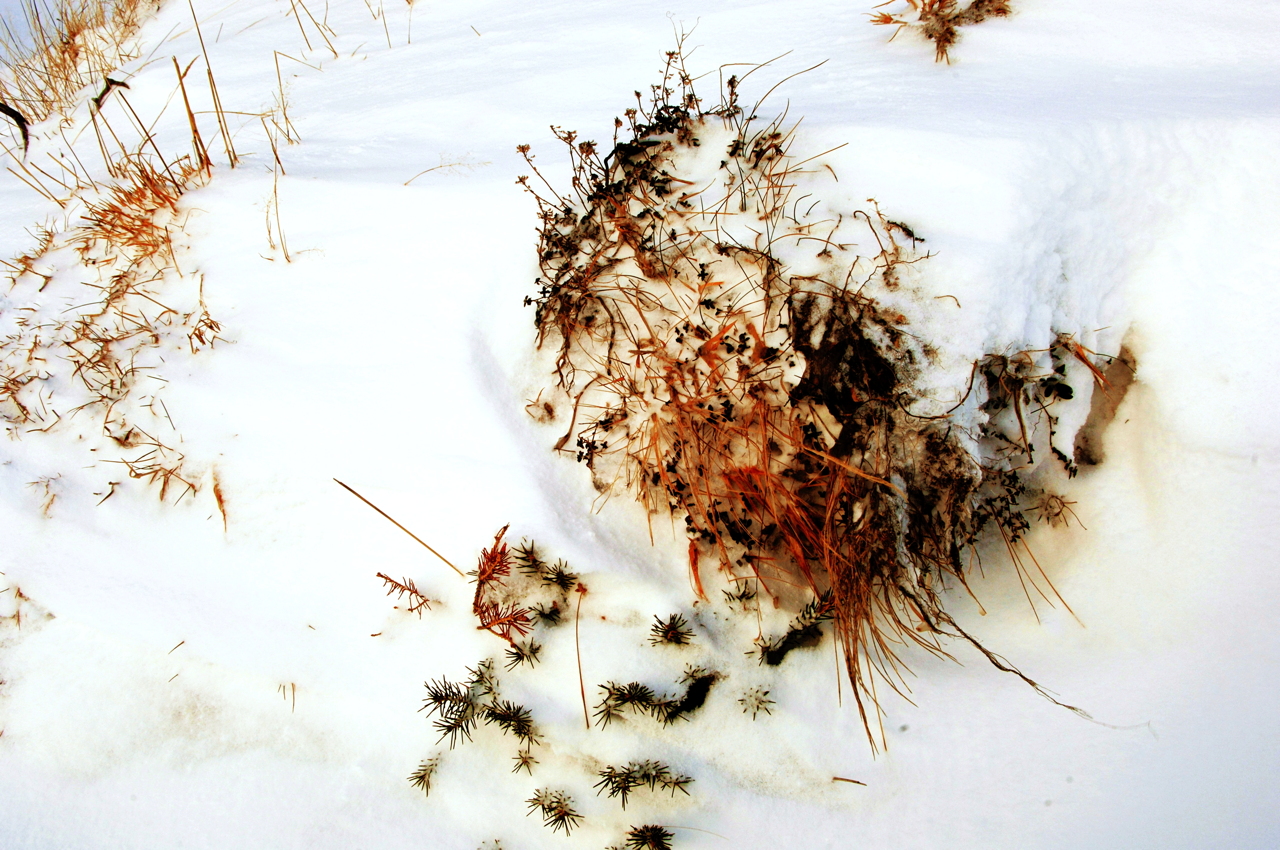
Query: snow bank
1080,164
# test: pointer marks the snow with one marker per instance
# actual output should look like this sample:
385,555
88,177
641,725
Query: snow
1082,166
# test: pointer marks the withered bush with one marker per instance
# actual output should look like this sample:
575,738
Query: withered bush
720,353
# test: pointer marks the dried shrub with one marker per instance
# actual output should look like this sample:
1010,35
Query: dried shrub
99,356
723,355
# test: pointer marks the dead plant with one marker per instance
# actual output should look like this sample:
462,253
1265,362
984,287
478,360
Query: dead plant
938,20
721,354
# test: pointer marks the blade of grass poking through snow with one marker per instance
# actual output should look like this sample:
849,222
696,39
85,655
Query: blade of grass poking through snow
197,141
232,159
577,648
401,527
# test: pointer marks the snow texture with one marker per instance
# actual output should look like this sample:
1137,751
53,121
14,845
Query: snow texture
1081,166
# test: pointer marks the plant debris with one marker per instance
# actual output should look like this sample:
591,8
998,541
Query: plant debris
421,778
805,630
418,600
556,808
937,20
461,706
649,837
621,781
552,575
755,701
638,698
674,631
505,619
525,652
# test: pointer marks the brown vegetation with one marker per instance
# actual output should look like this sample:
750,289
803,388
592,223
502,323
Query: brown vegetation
62,46
938,20
723,356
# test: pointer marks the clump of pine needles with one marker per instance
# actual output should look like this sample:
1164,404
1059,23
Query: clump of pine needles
756,700
556,808
507,608
555,575
649,837
506,619
721,354
421,778
805,630
638,698
621,781
502,604
460,706
673,631
523,652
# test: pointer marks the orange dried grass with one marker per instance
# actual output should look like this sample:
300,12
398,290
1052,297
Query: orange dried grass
93,355
62,46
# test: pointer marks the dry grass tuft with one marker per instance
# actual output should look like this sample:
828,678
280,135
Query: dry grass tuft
62,46
720,353
96,360
95,305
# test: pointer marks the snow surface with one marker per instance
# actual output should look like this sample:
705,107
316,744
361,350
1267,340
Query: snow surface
1106,168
